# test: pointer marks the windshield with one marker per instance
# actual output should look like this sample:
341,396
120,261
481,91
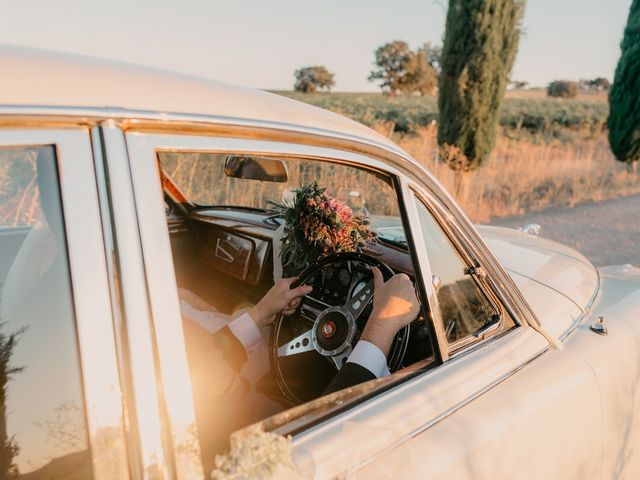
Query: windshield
201,178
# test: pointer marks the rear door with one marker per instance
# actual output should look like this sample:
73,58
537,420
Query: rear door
60,400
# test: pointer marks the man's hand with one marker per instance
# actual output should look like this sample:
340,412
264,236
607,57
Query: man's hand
394,306
280,298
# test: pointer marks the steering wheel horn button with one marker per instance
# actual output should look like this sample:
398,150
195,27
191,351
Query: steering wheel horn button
333,331
328,329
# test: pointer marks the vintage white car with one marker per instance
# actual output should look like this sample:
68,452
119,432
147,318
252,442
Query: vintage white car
134,202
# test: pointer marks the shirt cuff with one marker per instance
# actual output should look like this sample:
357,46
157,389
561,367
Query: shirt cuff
245,330
210,321
367,355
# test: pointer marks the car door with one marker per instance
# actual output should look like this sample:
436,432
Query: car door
143,149
60,399
514,407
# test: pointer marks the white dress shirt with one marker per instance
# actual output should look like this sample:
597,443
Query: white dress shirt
365,354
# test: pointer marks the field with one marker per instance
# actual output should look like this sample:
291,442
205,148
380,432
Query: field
549,152
408,113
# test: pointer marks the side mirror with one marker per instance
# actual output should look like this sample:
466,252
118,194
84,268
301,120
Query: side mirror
256,168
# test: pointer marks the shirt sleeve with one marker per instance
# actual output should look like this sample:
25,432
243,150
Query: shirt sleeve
245,330
367,355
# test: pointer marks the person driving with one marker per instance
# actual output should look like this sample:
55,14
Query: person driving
394,306
217,354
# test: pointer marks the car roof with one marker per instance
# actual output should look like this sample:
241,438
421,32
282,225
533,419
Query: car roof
41,78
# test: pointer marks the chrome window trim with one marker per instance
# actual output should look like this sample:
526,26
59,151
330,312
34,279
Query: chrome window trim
143,121
91,303
460,243
424,270
459,228
148,435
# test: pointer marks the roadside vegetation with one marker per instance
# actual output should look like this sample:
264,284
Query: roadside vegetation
549,151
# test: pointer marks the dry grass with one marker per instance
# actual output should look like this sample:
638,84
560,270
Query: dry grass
524,175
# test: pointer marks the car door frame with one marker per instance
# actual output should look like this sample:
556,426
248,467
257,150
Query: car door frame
142,149
90,289
523,342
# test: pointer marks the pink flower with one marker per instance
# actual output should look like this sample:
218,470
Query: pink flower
346,214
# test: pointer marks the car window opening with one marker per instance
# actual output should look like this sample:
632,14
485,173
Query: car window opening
224,263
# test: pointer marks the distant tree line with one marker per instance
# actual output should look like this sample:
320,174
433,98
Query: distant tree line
398,69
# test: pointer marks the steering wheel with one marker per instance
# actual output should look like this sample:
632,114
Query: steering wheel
307,348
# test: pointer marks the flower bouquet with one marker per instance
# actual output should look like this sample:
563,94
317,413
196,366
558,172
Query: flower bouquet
318,225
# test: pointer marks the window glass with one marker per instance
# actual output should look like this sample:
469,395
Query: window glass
42,427
201,177
464,307
228,265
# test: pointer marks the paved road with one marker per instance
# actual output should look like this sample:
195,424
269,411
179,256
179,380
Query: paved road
608,232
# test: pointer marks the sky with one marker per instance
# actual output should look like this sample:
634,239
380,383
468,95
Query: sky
260,43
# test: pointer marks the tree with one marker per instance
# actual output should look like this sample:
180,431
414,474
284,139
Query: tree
480,45
9,449
391,60
311,79
405,71
599,84
562,89
420,76
624,96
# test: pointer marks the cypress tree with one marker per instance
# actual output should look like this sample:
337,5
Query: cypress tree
480,45
624,98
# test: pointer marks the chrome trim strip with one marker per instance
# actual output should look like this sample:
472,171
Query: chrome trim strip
115,290
135,119
587,308
211,125
145,406
425,270
458,226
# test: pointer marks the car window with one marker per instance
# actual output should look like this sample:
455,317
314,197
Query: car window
464,307
42,427
201,178
228,265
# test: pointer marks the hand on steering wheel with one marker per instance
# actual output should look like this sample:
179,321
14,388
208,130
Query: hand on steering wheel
394,306
308,347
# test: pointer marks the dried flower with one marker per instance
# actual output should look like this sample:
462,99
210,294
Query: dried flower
316,224
256,454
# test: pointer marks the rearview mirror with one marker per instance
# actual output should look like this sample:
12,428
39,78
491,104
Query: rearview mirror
256,168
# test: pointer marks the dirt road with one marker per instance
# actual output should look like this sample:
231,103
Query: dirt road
608,232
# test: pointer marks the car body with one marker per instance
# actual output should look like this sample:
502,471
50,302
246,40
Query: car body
546,394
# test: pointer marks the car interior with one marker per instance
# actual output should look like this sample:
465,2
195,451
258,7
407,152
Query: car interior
223,232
